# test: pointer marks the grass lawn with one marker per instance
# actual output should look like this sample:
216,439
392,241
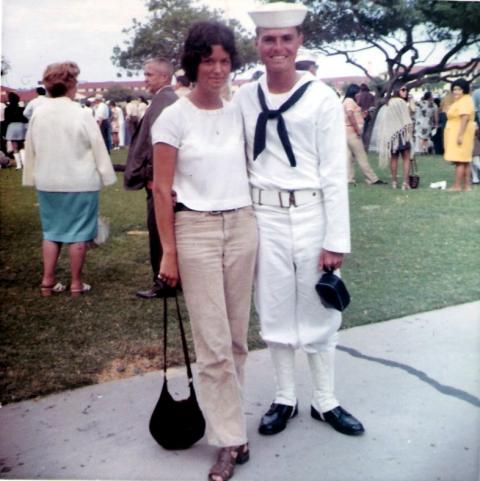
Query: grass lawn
412,251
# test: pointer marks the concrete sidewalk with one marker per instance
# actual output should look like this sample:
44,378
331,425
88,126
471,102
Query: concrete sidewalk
413,382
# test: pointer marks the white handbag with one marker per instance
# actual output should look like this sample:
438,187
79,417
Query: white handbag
103,231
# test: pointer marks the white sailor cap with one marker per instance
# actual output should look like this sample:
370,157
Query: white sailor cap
305,55
279,15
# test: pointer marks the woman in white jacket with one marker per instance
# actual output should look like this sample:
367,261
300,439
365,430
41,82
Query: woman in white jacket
66,160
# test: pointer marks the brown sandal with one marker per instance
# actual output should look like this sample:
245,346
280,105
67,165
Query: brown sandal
227,459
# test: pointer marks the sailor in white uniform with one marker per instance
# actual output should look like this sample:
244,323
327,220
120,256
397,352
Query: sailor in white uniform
297,163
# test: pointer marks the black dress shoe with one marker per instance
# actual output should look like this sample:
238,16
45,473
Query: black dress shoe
157,290
276,418
340,420
378,182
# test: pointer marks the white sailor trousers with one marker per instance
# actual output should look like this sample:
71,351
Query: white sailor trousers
290,311
216,258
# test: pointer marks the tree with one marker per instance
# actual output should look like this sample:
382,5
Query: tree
118,93
5,66
397,30
163,34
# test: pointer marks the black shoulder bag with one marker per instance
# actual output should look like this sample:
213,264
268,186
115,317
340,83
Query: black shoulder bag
176,424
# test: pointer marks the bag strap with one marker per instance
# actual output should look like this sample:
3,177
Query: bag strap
165,338
413,166
182,335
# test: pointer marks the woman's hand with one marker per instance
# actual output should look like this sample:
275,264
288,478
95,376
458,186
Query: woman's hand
169,270
460,140
330,260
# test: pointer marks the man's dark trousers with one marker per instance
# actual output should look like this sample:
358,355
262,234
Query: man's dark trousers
139,175
153,237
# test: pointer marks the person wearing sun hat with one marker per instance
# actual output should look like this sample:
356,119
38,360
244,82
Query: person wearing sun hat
297,163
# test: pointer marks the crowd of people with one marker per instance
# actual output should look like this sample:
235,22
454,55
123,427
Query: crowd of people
405,128
240,194
118,121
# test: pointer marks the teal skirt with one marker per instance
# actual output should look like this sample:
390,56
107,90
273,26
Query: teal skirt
68,216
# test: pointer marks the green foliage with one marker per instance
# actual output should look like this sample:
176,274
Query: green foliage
396,30
413,251
117,93
163,34
5,66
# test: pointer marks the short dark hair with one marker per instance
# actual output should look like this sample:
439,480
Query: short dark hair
40,91
183,80
463,84
396,90
427,95
198,45
304,65
364,87
351,91
13,98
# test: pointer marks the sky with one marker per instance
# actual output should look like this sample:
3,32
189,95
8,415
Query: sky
36,33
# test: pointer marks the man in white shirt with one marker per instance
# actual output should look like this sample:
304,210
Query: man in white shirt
102,116
131,117
297,162
34,103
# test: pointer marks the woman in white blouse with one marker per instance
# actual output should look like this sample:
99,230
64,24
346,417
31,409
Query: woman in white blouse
66,160
210,241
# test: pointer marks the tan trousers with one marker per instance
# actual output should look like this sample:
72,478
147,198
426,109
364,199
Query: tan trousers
356,151
216,259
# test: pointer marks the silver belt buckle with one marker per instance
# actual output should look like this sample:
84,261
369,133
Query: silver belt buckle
291,199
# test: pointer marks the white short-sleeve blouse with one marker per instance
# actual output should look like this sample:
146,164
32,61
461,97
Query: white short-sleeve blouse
211,171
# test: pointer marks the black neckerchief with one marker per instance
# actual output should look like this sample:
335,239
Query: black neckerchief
266,114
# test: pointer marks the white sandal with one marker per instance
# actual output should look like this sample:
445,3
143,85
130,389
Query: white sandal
78,292
55,289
